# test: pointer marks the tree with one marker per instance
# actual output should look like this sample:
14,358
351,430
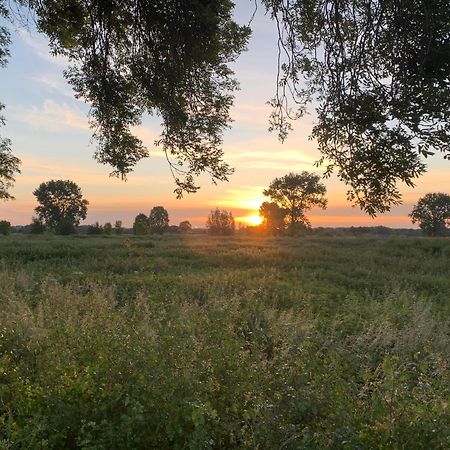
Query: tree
118,229
432,213
185,226
9,164
297,193
61,205
378,71
274,217
5,227
140,56
141,225
107,228
95,229
37,226
220,222
158,220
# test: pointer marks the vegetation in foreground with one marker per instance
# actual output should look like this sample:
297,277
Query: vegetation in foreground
190,341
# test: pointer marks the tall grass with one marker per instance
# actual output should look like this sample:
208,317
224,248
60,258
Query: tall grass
194,342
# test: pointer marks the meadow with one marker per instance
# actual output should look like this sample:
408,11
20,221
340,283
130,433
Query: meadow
197,342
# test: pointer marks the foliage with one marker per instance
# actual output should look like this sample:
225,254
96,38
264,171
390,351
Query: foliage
220,222
139,56
107,228
432,213
5,227
141,225
296,194
260,343
9,164
118,229
95,229
379,73
158,220
61,205
274,217
37,226
185,226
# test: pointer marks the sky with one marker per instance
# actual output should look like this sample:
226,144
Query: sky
50,134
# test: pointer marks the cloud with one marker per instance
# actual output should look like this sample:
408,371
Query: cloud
53,116
55,83
40,46
244,198
264,154
35,169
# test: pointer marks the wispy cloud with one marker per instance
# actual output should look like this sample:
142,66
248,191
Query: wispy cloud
53,116
262,153
54,83
40,46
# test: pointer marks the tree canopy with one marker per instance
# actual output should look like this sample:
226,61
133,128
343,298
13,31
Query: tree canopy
296,193
185,226
141,225
158,219
132,57
273,217
377,71
432,213
220,222
9,164
61,205
5,227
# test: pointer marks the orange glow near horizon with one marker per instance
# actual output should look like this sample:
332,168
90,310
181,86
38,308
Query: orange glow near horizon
253,219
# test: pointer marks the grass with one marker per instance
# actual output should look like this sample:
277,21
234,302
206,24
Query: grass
196,342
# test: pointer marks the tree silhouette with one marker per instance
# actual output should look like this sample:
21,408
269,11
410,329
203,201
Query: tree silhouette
220,222
432,213
185,226
37,226
118,229
61,205
274,217
134,57
296,194
378,71
141,225
107,228
5,227
158,220
9,164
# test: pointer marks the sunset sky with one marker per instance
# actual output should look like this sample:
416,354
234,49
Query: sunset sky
51,135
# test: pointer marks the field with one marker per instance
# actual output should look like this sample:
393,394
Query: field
195,342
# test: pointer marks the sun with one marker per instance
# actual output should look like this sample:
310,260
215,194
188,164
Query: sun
254,219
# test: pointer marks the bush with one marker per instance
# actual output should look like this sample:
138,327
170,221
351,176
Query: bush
95,229
37,226
118,229
107,228
5,227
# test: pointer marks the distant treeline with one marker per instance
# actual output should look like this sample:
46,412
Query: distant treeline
361,231
380,231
